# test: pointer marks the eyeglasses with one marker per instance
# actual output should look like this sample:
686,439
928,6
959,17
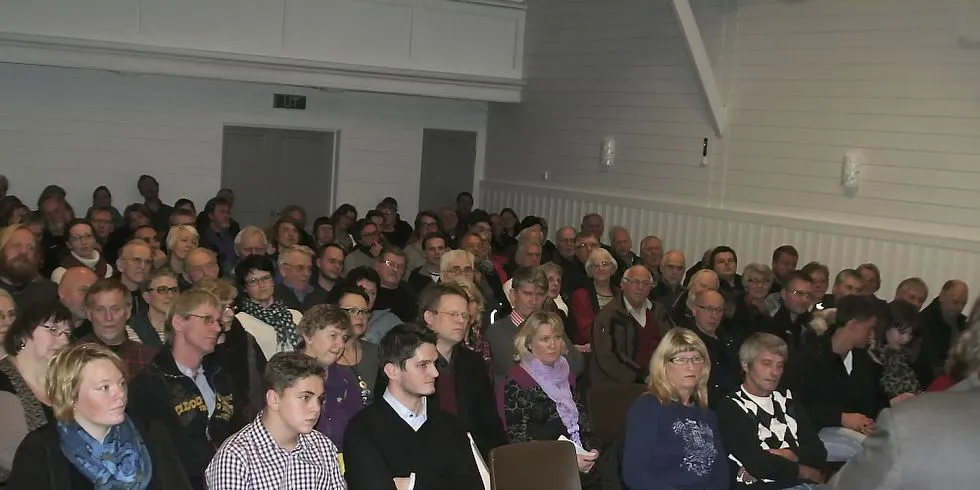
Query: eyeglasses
680,361
457,315
299,267
638,282
393,265
164,290
79,238
758,281
253,281
253,250
460,270
602,264
138,261
801,294
354,311
711,309
589,246
57,331
208,319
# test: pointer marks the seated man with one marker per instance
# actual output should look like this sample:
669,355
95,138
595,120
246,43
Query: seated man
191,394
790,321
400,441
296,266
280,448
836,380
767,432
107,306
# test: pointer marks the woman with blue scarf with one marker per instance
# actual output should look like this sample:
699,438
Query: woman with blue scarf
94,444
538,396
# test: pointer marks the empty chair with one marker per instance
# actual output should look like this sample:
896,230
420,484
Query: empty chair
608,404
541,465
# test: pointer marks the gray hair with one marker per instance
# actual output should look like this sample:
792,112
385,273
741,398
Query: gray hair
599,255
525,235
249,230
627,273
303,249
616,229
523,245
758,269
761,342
451,255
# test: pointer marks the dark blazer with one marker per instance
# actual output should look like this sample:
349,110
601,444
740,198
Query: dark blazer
316,297
417,281
783,326
476,402
40,465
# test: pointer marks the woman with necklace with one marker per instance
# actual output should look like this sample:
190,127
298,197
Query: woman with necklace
360,356
36,335
597,293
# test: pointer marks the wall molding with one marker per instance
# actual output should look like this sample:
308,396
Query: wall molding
157,60
785,221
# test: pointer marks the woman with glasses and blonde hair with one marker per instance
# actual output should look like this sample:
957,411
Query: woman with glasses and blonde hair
672,438
35,336
538,396
94,444
597,293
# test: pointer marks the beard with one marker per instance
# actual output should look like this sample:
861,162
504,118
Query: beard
18,270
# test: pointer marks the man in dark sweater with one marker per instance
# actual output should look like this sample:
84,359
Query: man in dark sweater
767,433
792,318
837,381
401,441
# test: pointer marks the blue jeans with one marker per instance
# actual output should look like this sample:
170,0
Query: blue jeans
842,443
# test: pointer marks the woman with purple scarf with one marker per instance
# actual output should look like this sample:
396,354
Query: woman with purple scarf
325,330
538,396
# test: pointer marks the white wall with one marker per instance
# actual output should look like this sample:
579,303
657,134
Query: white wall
804,82
80,129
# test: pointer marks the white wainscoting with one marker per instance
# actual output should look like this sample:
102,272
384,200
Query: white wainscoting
693,229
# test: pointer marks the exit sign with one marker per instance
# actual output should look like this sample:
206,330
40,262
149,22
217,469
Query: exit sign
286,101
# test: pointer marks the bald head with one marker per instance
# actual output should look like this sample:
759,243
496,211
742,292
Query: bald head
73,287
953,298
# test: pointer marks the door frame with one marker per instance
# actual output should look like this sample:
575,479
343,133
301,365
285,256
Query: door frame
479,163
334,159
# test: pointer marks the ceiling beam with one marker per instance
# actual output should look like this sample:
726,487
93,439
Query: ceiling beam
702,63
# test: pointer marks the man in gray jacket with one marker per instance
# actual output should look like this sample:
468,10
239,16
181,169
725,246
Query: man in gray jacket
527,296
930,441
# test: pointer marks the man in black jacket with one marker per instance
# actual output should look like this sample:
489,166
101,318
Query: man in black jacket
767,433
835,379
792,318
192,395
941,322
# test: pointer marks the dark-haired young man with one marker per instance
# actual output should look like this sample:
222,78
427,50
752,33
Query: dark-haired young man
401,441
280,448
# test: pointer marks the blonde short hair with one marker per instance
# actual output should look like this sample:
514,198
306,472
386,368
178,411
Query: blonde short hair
177,231
295,249
6,233
598,255
246,231
187,301
530,327
677,340
65,375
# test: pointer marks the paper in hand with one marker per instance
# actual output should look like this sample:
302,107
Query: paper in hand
579,450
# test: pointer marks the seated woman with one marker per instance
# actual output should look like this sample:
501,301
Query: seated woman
381,320
898,378
34,337
159,291
599,292
181,239
672,438
538,396
475,338
261,314
359,355
325,329
94,444
751,311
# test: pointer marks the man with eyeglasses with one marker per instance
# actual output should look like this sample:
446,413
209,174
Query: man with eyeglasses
672,267
107,309
462,388
565,241
186,389
393,294
81,252
574,275
627,331
368,244
725,374
528,295
134,263
150,236
295,290
792,319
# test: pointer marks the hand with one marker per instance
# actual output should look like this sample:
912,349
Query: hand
584,348
587,461
857,422
900,398
376,248
402,483
811,474
786,453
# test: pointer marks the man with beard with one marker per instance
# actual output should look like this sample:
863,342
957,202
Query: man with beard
217,235
54,240
18,268
107,309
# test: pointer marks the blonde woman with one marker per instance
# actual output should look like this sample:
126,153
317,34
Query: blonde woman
540,402
474,339
181,240
94,443
672,438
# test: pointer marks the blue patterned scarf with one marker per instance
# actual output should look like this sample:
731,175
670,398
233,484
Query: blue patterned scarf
121,462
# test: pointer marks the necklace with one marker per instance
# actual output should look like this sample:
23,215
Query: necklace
346,360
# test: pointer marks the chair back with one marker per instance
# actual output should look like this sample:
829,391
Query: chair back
608,405
538,465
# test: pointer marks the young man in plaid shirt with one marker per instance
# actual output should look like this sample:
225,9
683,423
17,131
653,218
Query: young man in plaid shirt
280,449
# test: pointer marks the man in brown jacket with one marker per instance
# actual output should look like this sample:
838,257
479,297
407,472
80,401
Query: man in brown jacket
627,331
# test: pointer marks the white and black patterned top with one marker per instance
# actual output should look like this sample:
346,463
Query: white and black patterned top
252,460
777,428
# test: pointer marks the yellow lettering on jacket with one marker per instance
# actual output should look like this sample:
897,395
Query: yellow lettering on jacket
196,403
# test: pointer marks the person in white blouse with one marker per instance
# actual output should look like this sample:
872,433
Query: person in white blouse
261,314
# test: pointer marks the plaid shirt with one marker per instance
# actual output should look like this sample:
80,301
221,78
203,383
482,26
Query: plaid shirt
135,354
251,460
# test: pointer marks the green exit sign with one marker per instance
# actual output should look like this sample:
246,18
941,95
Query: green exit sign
286,101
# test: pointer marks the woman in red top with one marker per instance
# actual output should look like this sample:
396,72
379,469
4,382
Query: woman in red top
587,301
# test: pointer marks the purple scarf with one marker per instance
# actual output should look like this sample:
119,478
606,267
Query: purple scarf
554,381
